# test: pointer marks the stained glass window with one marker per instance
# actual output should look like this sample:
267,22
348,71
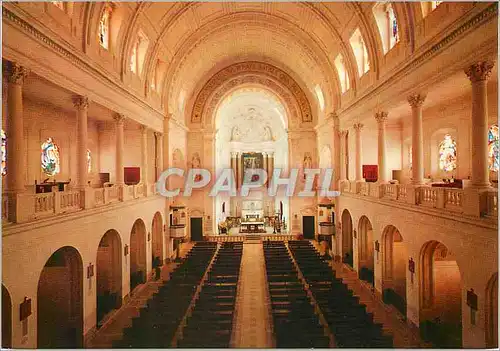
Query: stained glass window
133,59
4,153
89,161
393,26
50,157
448,154
104,28
435,4
493,152
59,4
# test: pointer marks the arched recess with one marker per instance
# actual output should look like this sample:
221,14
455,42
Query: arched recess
6,319
157,240
250,72
138,268
347,251
491,315
60,301
108,274
440,296
394,265
366,250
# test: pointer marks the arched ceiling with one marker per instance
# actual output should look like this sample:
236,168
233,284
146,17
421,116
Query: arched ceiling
199,39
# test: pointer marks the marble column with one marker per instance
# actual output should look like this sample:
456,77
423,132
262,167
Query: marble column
343,157
144,154
381,118
359,168
238,170
270,165
417,138
119,120
159,154
265,166
234,161
16,167
166,145
336,151
478,75
81,104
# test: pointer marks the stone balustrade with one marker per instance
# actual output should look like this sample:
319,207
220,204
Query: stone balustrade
265,237
470,202
28,207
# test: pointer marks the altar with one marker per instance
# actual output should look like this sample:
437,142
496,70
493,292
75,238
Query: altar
252,227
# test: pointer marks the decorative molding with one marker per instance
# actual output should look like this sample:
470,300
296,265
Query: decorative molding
416,100
480,71
358,127
15,73
119,118
266,75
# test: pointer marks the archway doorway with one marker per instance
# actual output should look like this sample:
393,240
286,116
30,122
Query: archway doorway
138,266
6,319
157,240
60,301
492,312
440,296
394,268
365,250
347,252
109,274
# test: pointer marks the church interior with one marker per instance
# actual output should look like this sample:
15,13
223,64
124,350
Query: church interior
398,99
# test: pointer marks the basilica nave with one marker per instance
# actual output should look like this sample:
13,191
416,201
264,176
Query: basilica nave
399,100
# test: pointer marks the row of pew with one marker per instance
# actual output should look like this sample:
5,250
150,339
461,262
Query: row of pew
211,321
158,321
295,323
347,318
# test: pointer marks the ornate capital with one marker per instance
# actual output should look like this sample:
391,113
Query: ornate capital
169,116
343,133
358,126
381,116
80,102
416,100
119,118
144,128
234,154
333,115
158,134
479,71
15,73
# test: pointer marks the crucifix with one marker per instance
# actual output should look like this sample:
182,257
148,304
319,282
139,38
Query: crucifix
411,268
472,303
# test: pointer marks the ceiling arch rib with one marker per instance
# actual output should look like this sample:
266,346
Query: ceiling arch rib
255,73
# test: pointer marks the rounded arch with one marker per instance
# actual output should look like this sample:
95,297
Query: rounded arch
491,315
250,72
138,261
347,247
394,266
109,284
6,318
60,301
366,250
157,240
440,295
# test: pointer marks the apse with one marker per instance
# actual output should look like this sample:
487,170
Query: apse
251,128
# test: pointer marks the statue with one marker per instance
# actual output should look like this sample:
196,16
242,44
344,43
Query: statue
195,161
268,135
235,134
307,163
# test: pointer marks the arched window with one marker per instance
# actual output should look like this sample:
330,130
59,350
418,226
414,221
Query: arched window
89,161
360,52
447,154
133,59
393,26
493,152
59,4
50,157
342,72
138,53
4,153
435,4
104,28
319,95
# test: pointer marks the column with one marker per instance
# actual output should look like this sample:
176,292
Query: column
234,156
238,170
270,165
81,104
144,154
381,118
119,119
359,168
159,154
336,151
16,170
343,157
265,166
478,75
166,146
417,138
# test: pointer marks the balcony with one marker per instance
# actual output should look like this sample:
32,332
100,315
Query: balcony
467,202
26,207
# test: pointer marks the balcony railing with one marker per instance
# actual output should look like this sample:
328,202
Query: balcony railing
26,207
469,201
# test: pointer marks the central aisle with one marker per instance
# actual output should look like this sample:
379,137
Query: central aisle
253,320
